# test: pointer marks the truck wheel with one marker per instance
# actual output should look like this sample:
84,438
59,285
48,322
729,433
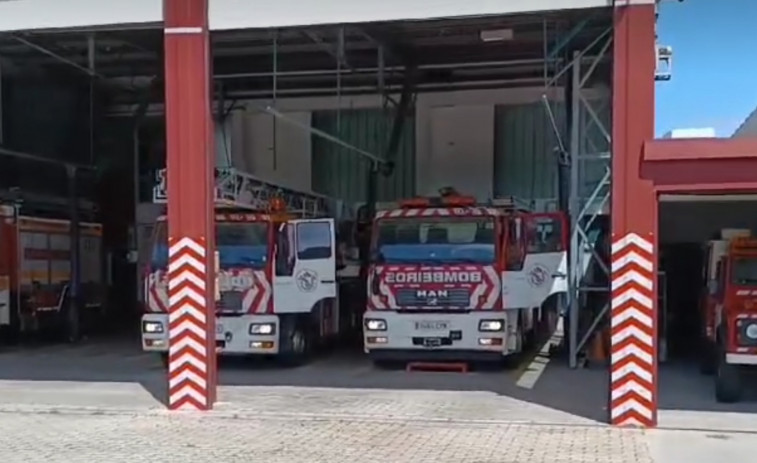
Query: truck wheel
727,381
296,345
164,359
708,361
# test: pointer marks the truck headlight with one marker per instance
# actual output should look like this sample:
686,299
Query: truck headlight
375,324
751,331
491,325
151,327
263,328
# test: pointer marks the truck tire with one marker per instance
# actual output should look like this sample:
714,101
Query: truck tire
295,343
727,381
164,359
708,358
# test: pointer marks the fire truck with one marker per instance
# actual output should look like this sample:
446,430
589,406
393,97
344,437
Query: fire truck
277,282
35,271
730,311
453,280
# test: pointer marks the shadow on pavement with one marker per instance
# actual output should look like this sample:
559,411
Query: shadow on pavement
142,382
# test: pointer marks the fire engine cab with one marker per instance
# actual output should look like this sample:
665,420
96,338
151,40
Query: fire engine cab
453,280
730,311
276,287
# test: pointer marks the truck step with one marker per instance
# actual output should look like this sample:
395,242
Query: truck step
460,367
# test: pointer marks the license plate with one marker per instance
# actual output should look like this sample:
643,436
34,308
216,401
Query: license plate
219,328
431,326
432,342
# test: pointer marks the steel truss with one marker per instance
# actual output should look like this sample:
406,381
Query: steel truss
585,168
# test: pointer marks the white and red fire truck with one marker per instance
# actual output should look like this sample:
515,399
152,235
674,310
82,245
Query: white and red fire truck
35,271
730,311
277,286
453,280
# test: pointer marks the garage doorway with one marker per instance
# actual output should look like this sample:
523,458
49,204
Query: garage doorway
687,223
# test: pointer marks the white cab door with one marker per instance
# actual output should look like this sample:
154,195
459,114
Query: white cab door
305,266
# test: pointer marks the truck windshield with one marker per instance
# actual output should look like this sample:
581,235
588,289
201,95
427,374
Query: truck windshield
417,240
239,244
744,271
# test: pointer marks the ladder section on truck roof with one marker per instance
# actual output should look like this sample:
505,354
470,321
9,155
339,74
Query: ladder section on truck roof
507,204
237,189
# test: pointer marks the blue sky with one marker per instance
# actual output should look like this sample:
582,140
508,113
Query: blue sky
714,80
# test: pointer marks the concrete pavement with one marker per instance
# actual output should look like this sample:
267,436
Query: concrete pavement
94,403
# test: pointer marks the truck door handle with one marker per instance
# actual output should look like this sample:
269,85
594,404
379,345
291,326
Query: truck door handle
326,282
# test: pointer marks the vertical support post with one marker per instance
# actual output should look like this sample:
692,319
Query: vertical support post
633,315
189,166
74,284
2,107
574,273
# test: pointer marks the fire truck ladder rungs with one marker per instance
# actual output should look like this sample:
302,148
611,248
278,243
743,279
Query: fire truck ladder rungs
237,189
512,204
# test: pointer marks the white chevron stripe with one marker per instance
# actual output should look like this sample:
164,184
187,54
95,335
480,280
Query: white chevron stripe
642,371
631,350
631,404
187,276
185,359
192,344
188,391
175,263
187,326
187,374
631,312
263,278
632,238
187,309
632,257
190,293
631,386
631,294
631,332
496,290
632,276
186,242
631,422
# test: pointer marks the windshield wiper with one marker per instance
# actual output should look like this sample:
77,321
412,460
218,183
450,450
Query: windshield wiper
465,260
413,261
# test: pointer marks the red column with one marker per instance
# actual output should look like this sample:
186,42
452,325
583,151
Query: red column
191,370
633,383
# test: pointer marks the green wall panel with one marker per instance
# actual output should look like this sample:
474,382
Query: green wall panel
525,156
342,173
525,163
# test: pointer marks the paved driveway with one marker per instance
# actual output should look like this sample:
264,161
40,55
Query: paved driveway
102,403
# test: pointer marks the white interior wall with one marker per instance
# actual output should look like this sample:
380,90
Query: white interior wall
462,150
273,149
454,137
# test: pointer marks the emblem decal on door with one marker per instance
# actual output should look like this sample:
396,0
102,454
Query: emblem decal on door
538,275
307,280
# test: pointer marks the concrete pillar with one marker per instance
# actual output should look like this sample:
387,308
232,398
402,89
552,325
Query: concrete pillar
190,162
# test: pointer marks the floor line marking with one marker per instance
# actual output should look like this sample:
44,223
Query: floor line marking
531,374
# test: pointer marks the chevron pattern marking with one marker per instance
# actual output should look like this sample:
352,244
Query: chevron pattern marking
633,386
188,378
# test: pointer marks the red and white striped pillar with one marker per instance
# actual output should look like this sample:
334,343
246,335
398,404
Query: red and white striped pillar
189,165
633,311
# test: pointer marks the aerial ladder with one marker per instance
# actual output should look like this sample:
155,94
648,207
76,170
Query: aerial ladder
237,189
